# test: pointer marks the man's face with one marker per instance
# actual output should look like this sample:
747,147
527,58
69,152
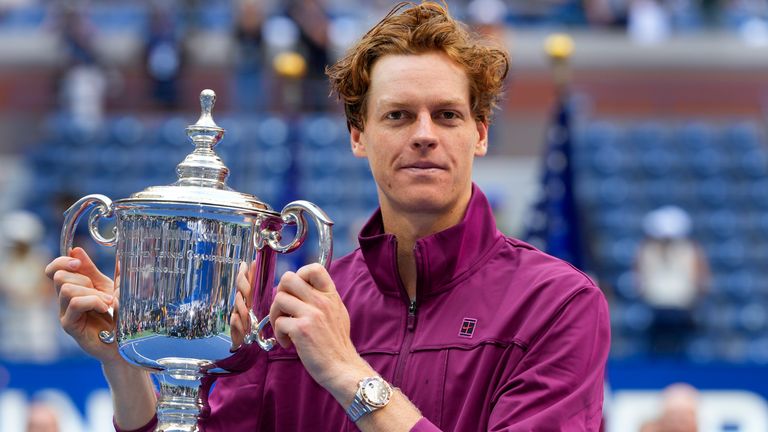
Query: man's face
420,136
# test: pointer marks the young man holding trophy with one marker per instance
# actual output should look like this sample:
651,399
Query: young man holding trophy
438,321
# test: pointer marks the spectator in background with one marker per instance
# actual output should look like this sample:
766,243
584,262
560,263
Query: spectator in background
569,12
163,56
607,13
42,418
82,84
648,22
250,55
27,330
673,274
488,17
679,411
648,426
313,23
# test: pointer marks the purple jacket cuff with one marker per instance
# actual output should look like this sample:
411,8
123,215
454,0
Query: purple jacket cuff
149,427
424,425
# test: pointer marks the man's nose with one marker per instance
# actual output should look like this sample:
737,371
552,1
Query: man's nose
424,136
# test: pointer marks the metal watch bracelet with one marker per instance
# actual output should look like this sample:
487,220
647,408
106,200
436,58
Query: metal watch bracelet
358,409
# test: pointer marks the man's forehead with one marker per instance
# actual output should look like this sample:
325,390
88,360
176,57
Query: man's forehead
405,79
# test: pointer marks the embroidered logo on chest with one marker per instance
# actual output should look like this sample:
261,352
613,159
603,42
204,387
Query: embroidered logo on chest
468,327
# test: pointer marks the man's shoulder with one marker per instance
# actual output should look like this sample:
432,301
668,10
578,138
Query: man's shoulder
537,268
542,289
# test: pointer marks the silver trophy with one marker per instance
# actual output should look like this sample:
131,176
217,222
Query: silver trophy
180,251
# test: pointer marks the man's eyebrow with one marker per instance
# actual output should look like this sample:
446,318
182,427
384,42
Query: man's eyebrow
451,102
389,103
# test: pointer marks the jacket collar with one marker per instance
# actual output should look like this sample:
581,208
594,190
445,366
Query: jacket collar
441,258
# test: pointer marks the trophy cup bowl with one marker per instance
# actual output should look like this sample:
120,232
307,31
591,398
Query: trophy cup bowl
180,251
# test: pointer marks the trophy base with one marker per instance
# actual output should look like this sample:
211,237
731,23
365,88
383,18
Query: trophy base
176,428
180,401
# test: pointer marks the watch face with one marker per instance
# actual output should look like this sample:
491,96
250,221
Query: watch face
376,392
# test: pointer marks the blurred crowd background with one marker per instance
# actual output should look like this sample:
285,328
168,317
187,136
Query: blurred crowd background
636,149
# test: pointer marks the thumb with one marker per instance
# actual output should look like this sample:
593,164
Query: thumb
88,268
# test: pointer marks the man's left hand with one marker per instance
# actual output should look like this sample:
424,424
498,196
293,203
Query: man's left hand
308,313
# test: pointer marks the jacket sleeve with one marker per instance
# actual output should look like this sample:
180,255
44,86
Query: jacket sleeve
424,425
558,382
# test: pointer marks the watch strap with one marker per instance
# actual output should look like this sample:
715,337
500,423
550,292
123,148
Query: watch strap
358,408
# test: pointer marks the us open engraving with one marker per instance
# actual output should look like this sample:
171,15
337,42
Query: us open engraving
181,245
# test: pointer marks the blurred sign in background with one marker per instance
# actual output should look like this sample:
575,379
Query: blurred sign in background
662,160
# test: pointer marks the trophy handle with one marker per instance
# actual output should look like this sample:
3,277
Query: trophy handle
257,327
75,212
293,214
72,216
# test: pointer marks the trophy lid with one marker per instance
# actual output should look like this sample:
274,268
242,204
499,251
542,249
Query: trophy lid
202,175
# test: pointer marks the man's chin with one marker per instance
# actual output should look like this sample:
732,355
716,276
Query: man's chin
436,198
424,204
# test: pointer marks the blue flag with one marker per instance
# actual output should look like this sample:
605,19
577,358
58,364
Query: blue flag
553,224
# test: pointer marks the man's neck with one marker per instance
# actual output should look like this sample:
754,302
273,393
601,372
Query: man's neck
408,229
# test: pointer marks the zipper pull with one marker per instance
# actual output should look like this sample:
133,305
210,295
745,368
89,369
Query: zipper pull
412,315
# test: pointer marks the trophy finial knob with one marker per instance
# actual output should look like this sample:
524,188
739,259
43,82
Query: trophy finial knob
207,100
203,166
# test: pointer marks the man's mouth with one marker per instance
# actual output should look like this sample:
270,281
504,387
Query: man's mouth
422,166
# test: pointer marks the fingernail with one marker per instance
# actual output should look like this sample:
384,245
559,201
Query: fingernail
75,263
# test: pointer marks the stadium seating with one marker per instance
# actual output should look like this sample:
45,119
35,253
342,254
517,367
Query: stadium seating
718,172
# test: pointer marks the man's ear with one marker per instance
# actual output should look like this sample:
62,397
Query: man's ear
481,147
356,139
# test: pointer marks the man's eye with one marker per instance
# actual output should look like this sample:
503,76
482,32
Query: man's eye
395,115
449,115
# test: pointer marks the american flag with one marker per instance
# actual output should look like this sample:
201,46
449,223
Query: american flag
552,225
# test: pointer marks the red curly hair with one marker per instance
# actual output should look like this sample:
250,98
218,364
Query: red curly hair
415,29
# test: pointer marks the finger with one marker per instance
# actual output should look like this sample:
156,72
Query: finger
61,263
243,285
242,312
286,304
281,327
80,306
72,291
88,268
115,301
62,277
239,321
237,331
317,276
292,284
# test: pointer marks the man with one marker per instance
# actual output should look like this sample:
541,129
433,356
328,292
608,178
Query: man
437,321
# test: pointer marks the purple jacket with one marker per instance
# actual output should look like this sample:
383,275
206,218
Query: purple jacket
501,337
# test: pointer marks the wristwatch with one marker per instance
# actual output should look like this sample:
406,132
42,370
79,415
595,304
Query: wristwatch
372,393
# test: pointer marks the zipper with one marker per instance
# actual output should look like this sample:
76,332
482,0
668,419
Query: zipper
410,323
407,342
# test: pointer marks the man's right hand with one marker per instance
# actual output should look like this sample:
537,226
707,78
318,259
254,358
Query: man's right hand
85,296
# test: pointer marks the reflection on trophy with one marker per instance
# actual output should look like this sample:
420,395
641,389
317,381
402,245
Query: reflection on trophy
180,250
